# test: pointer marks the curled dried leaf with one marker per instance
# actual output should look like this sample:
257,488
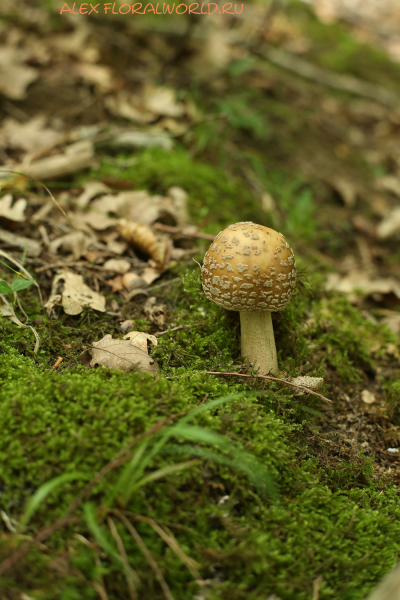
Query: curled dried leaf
143,238
140,339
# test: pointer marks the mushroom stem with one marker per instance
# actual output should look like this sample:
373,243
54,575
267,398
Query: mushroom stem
258,342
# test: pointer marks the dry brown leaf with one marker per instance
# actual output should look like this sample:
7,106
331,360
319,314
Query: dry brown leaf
162,101
91,189
118,265
118,354
143,238
33,247
76,157
126,105
359,280
345,188
388,183
32,136
75,242
180,204
392,320
99,75
15,76
117,284
150,274
70,291
14,212
390,224
140,339
155,313
138,206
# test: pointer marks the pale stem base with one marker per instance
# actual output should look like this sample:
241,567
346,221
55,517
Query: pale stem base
258,342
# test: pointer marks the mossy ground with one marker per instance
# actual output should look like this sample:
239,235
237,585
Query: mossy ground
336,522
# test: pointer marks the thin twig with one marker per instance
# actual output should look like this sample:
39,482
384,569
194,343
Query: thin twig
175,280
345,83
154,566
169,539
177,328
301,387
194,234
48,531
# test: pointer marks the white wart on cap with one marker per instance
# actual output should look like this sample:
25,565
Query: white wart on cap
249,267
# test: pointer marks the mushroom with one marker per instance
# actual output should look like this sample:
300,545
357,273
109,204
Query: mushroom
251,269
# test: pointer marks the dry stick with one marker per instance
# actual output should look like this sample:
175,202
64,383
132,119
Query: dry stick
170,539
154,566
177,328
45,533
301,387
159,285
345,83
170,229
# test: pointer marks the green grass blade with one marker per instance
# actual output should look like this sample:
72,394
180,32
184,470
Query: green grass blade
240,460
101,538
155,475
132,472
41,494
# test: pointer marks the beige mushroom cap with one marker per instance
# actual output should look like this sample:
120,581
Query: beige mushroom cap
249,267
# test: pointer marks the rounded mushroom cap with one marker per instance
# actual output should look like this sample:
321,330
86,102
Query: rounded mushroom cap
249,267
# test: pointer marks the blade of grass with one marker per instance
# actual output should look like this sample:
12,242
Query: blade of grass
129,475
239,460
154,475
41,494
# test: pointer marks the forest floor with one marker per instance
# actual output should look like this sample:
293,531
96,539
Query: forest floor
126,144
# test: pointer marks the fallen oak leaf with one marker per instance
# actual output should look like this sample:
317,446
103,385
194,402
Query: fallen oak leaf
13,212
74,294
118,354
140,339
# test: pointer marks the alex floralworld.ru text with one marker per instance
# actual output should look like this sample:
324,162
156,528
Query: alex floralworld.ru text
138,8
